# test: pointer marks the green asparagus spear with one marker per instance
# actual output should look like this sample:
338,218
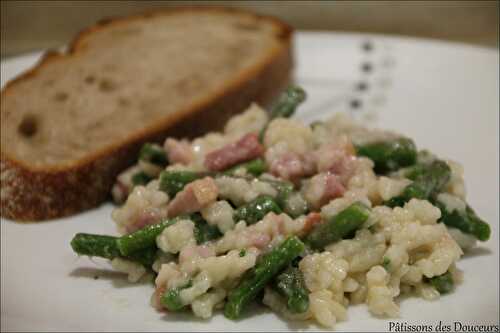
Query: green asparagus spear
145,256
481,229
255,211
284,189
443,283
427,182
106,247
136,246
256,279
153,153
171,298
143,238
95,245
204,232
416,171
146,237
291,285
286,105
466,221
389,155
141,178
289,200
254,167
173,182
288,102
338,226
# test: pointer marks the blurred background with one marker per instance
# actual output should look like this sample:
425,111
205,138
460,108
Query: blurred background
31,25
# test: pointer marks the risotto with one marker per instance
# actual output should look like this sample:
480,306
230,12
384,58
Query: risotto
304,219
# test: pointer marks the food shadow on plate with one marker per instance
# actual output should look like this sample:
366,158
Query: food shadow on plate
258,309
184,316
253,311
300,325
118,280
477,252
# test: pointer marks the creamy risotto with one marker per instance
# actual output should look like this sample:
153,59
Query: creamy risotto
302,218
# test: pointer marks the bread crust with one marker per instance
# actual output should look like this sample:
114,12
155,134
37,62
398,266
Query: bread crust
30,195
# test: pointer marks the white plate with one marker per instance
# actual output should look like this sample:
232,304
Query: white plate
443,95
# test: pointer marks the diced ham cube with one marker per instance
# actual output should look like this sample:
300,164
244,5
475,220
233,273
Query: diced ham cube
178,151
143,219
193,197
245,149
322,188
337,158
333,188
146,217
312,219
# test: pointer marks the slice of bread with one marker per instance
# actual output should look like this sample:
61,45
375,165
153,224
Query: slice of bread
73,122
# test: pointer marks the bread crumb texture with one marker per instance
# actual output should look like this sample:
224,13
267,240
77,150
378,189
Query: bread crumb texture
70,124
